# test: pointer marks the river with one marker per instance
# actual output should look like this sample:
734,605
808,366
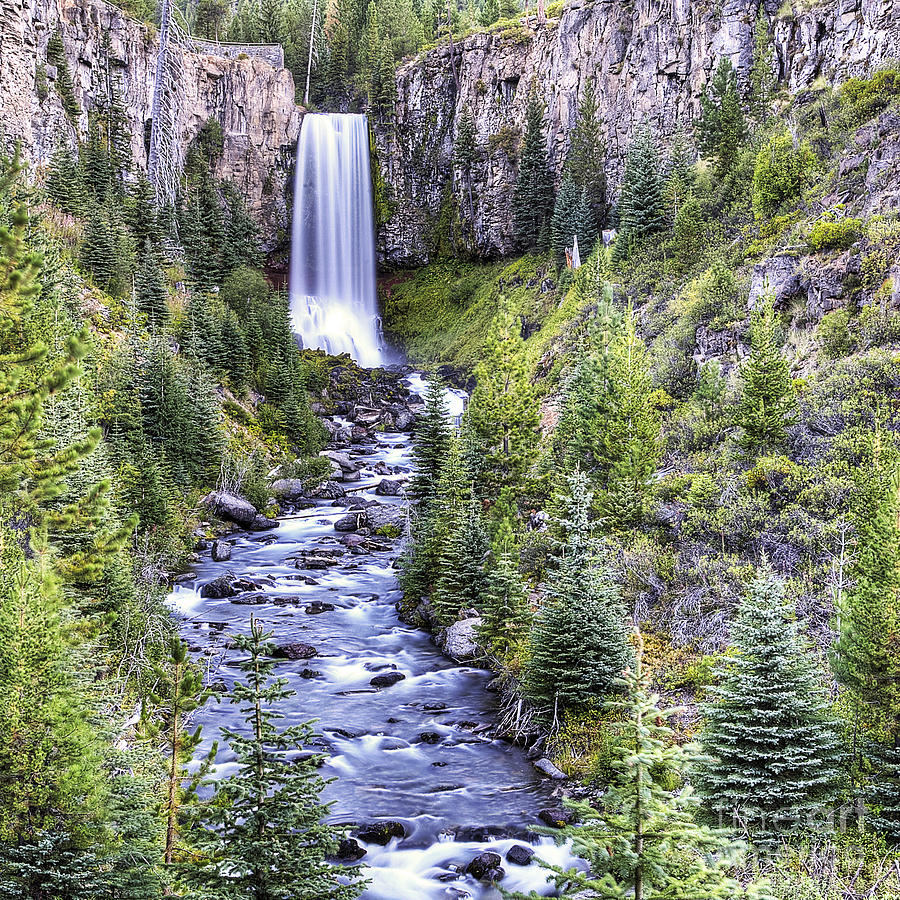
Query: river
415,752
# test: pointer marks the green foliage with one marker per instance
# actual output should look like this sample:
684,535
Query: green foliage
834,334
767,405
585,162
505,611
56,56
262,835
643,840
533,195
572,217
503,411
150,292
772,753
780,174
432,444
578,644
65,187
722,129
828,234
762,79
866,97
642,209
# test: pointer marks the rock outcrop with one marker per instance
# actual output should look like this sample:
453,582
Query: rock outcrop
251,99
649,62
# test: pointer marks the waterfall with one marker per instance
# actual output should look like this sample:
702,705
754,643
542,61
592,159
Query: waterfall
334,304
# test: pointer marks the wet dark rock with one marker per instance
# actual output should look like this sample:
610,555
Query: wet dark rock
388,679
230,506
349,850
404,420
310,673
227,586
381,833
315,560
221,551
439,765
378,667
486,867
319,606
434,707
218,687
262,523
349,523
330,490
201,545
353,541
430,737
536,750
557,817
348,735
519,855
387,487
295,650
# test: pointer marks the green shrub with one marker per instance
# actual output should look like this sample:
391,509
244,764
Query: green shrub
780,174
866,97
834,334
828,234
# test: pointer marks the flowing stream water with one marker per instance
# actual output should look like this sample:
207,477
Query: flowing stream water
457,792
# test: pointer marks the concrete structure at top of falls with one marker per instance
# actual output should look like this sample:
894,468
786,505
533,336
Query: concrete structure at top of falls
334,303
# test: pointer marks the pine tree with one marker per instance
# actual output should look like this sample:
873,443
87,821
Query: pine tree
490,13
586,159
384,87
504,411
767,406
235,355
150,291
882,793
178,692
465,152
772,752
338,64
241,239
142,216
643,842
263,835
270,22
579,644
642,207
98,252
762,79
533,195
505,612
722,129
432,443
369,51
565,212
64,185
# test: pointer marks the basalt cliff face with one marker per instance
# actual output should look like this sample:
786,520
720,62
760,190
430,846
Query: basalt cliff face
649,61
252,99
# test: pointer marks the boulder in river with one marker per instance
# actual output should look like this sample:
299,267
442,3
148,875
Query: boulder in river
519,855
350,522
329,490
404,420
544,765
349,850
233,507
227,586
388,487
387,679
558,817
386,518
296,650
262,523
381,832
430,737
485,867
288,488
221,551
319,606
460,640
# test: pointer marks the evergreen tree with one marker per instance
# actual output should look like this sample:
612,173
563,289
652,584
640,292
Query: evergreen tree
533,195
642,207
142,216
579,644
150,291
211,19
505,612
504,411
432,443
643,841
235,355
338,64
262,836
178,693
98,252
767,406
722,129
465,152
679,175
565,212
490,13
883,790
762,79
241,239
56,55
270,21
772,752
65,188
586,160
383,93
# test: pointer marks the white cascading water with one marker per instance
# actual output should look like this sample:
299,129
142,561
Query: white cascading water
334,305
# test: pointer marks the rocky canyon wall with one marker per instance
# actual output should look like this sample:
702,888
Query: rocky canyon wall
649,61
252,99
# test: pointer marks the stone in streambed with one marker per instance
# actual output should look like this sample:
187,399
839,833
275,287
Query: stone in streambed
460,640
263,523
519,855
485,867
387,487
544,765
227,586
288,489
319,606
381,833
430,737
349,850
295,650
310,673
388,679
557,818
351,522
230,506
221,551
385,517
330,490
